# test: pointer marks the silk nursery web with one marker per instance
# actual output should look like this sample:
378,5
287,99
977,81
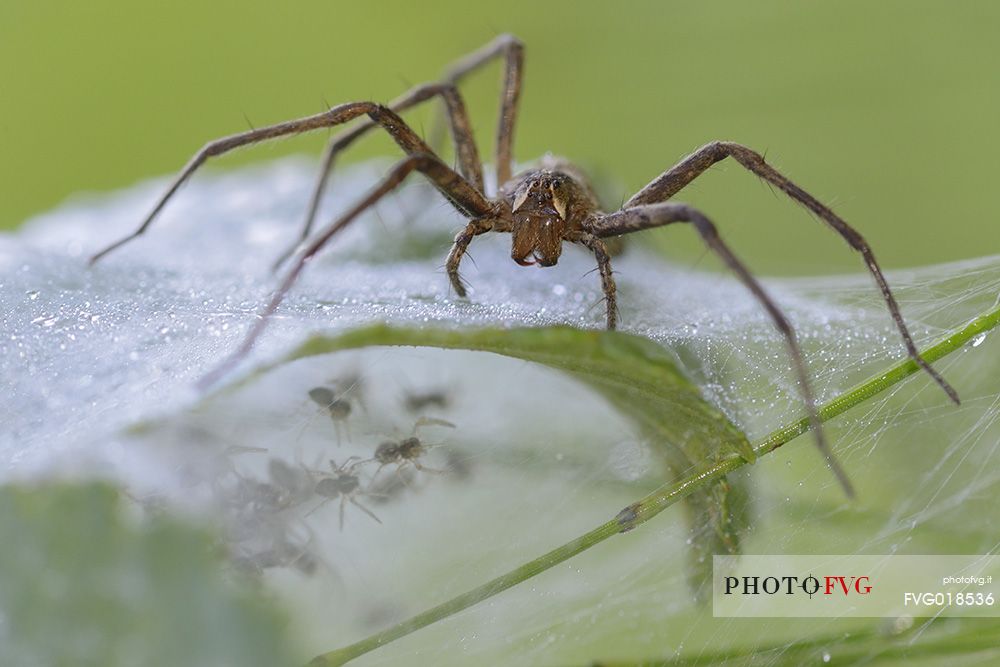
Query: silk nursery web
514,458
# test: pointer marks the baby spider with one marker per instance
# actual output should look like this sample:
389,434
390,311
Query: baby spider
418,401
290,486
338,407
326,398
343,484
338,401
282,554
540,208
408,450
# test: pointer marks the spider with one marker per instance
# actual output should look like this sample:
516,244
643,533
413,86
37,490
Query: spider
337,403
408,450
540,208
326,398
343,483
417,401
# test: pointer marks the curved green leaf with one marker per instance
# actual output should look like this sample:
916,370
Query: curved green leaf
637,377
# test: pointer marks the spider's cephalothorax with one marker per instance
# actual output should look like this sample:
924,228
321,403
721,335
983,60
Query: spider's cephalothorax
541,208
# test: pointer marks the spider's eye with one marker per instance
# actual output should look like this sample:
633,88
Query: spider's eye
557,184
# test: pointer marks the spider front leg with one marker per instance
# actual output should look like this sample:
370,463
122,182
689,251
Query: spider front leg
638,218
401,133
600,250
676,178
354,501
469,164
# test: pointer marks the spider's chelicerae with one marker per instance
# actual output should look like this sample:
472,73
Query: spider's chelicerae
541,208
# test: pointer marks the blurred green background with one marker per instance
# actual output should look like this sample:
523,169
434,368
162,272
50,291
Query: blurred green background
886,110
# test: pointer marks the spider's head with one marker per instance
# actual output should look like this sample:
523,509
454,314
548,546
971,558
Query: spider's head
540,204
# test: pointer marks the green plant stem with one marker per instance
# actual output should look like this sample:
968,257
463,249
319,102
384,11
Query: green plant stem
860,646
654,503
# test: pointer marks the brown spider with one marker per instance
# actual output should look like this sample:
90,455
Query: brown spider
343,483
541,208
408,450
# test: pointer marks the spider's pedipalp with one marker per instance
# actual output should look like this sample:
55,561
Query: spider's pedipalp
458,248
677,177
658,215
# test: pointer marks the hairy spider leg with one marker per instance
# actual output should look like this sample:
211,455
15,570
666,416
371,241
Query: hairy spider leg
512,50
603,257
469,163
649,216
405,137
677,177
